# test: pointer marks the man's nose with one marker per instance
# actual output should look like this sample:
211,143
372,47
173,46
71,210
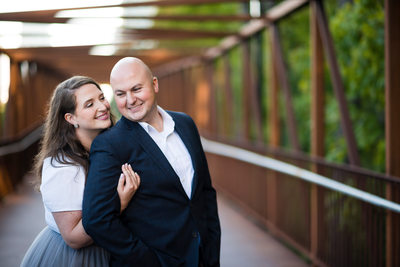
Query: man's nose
131,97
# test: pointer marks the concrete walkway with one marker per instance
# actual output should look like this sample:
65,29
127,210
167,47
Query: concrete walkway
243,243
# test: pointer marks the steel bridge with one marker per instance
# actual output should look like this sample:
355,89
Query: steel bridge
328,214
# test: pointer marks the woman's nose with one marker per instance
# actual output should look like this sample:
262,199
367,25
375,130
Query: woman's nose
103,105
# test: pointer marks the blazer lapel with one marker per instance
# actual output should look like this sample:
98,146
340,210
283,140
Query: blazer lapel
148,144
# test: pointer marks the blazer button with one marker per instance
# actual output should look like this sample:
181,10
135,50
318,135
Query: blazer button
194,234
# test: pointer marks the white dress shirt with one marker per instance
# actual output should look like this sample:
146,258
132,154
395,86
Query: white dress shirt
173,149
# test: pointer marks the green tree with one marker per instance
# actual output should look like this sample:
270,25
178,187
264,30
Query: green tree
358,32
357,29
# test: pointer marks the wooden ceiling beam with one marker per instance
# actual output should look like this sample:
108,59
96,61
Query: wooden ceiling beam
33,17
192,18
155,33
274,14
164,3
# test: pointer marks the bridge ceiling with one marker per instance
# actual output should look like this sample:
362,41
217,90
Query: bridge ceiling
88,40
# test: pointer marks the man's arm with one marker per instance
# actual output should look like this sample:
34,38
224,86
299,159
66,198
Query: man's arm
212,247
213,225
101,209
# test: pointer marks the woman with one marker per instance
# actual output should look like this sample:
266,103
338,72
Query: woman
77,113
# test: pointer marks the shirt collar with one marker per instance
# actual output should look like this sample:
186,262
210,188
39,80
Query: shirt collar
168,123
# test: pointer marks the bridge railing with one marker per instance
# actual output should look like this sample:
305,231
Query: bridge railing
16,157
348,227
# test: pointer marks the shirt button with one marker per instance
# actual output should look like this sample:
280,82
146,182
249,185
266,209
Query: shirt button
194,234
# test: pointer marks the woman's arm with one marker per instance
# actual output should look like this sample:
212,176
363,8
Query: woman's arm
71,229
70,222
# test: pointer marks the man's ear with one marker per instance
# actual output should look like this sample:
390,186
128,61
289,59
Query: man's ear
155,84
70,118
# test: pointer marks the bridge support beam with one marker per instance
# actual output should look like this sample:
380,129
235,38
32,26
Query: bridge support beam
392,65
317,123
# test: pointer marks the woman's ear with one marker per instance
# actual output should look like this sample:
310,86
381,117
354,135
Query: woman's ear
70,118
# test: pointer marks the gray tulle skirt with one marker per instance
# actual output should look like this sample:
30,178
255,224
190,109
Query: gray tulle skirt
49,249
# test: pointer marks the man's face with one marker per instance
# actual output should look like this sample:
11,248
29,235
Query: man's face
135,93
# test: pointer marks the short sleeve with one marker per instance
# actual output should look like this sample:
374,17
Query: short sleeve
62,186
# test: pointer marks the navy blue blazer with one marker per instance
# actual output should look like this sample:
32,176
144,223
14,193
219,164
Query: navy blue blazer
160,220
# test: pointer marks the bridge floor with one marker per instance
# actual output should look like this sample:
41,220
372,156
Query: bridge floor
243,243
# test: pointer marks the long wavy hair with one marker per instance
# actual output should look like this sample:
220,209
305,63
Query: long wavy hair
59,139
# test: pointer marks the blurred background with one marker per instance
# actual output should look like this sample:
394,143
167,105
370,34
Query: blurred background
310,84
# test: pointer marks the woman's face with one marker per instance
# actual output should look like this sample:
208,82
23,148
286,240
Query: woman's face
92,111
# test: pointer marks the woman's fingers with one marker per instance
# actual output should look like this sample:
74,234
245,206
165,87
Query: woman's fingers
137,179
127,185
135,176
121,182
131,181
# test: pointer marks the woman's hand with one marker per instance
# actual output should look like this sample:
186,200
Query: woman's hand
128,184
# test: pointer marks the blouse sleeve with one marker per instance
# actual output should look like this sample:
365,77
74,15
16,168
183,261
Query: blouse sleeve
62,186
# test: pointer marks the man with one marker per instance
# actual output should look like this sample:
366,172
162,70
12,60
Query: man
172,220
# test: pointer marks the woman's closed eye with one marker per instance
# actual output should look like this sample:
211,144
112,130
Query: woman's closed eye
89,104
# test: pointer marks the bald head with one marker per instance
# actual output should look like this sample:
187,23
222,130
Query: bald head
135,90
129,66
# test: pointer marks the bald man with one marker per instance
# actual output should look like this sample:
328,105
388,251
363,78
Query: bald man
172,220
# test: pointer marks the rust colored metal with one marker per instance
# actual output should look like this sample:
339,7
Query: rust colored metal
337,84
392,90
210,69
228,92
284,82
317,124
274,123
250,93
246,83
350,232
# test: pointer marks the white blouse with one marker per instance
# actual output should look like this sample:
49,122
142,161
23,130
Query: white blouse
62,189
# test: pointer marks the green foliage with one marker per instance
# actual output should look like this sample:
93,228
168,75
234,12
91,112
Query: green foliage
358,32
215,9
196,44
235,58
294,35
357,28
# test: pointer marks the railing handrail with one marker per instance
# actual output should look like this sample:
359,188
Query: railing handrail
22,144
294,171
262,148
